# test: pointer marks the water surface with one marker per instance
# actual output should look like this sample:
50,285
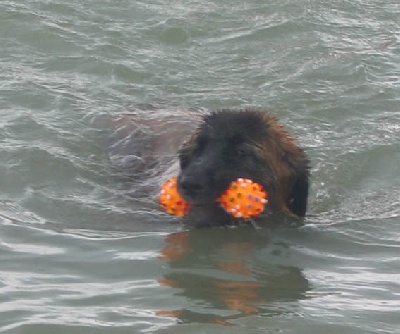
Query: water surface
80,255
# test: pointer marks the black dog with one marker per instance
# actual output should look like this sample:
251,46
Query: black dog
225,145
250,144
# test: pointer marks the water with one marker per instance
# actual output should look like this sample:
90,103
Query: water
80,255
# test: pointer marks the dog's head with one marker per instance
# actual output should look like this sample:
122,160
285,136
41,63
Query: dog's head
250,144
227,145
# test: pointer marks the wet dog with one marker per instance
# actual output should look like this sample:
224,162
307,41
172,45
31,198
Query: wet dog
251,144
223,146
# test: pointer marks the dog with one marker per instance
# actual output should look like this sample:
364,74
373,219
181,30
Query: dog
250,144
226,145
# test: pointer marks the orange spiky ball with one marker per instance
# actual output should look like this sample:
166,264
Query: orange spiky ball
171,201
243,199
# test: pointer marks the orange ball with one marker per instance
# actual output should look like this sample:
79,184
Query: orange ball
244,199
171,201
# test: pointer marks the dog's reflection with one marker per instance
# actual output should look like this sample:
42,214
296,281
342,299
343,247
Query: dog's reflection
218,272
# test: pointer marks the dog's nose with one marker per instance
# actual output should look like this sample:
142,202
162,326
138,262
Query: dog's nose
190,187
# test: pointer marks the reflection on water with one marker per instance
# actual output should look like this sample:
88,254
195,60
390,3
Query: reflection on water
215,269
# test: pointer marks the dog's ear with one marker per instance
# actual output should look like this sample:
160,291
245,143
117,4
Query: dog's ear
185,153
184,156
299,173
297,200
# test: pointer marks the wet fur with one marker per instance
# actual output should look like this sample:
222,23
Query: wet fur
252,144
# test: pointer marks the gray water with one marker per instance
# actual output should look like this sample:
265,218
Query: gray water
80,255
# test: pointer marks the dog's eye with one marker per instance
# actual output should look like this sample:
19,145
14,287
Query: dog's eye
184,158
236,154
200,145
241,152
